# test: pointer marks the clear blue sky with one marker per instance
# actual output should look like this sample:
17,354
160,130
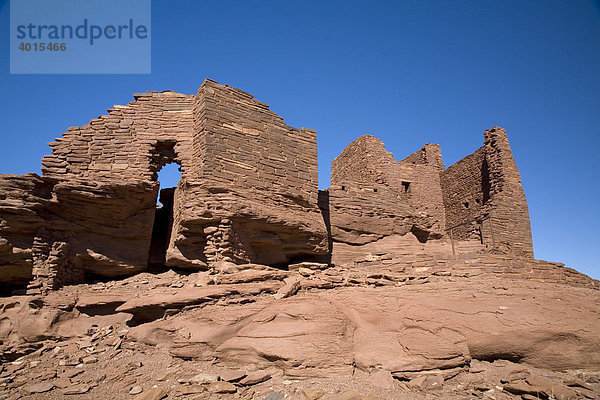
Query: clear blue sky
408,72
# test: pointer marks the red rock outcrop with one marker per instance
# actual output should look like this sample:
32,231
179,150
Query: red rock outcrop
379,326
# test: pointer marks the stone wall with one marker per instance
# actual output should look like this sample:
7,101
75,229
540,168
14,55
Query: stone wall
131,142
508,207
254,196
360,213
416,178
421,172
249,146
248,194
480,197
488,183
363,160
466,195
248,191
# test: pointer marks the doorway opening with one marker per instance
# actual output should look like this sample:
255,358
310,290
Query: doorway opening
168,177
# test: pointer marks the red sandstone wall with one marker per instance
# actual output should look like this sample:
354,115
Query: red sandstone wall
466,195
366,160
247,145
249,182
253,195
363,160
509,210
488,182
423,169
485,182
360,213
126,143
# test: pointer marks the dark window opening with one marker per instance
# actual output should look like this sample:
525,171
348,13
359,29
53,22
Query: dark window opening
343,187
375,190
466,204
421,234
163,218
406,186
477,201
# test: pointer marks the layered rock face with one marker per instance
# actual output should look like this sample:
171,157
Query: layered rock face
482,327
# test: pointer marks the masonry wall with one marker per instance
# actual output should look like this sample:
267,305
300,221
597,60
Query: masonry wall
509,210
416,178
361,213
461,197
248,191
422,169
254,196
131,142
466,195
488,182
249,146
363,160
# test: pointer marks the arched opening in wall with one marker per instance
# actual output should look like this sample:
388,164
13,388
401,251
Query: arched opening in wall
168,177
421,234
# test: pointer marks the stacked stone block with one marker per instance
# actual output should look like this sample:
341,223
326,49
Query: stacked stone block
248,193
478,198
248,190
255,179
416,179
488,183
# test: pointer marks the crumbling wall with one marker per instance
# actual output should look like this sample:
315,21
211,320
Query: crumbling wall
466,194
248,190
360,213
249,146
105,182
416,178
480,197
509,211
363,160
419,176
488,183
131,142
254,196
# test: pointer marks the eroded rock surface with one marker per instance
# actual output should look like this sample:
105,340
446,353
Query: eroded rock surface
384,330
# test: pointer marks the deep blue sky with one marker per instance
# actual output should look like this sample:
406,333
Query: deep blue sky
408,72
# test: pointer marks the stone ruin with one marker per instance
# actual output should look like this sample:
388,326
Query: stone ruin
248,194
403,280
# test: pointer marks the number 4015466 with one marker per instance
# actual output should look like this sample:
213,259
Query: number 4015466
24,46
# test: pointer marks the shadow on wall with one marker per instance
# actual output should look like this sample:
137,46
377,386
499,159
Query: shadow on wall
168,177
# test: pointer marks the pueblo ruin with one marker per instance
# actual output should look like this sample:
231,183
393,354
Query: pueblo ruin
408,272
248,194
